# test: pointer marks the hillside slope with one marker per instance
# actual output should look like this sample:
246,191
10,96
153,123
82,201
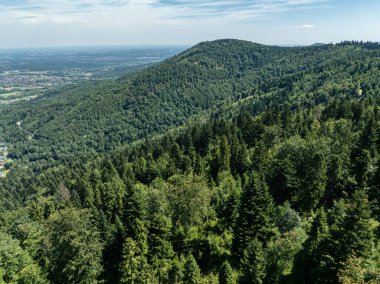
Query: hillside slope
100,117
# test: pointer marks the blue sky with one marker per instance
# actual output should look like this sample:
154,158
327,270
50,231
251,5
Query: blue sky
31,23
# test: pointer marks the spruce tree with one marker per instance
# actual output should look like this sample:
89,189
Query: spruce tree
350,234
226,274
255,214
374,192
192,273
160,248
306,267
134,268
253,264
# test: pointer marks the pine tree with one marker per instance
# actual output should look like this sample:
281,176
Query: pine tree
365,150
340,180
318,232
313,175
227,198
300,172
260,157
112,193
177,269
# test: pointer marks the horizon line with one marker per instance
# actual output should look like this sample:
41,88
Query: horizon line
152,45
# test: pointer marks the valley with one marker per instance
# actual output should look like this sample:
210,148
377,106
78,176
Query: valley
28,73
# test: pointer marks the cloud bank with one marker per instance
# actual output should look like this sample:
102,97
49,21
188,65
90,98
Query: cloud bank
117,22
147,10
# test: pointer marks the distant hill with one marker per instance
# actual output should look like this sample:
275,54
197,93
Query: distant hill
99,117
317,44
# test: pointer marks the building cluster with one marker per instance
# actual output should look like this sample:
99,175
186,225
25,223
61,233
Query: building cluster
39,80
3,158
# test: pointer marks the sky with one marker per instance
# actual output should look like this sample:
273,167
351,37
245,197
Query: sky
44,23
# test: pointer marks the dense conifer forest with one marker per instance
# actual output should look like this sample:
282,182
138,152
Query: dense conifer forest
232,162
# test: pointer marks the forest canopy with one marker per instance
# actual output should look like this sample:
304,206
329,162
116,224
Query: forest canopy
232,162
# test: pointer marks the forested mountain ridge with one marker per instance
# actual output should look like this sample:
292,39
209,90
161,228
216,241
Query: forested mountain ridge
279,185
103,116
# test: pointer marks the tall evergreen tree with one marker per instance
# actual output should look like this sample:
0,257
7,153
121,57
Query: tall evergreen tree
307,264
134,268
160,248
255,218
192,273
226,274
350,234
253,264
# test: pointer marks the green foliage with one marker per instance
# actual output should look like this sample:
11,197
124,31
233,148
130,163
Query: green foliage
356,271
287,219
16,265
351,233
160,248
306,266
134,267
281,253
188,198
253,263
300,172
255,219
227,274
277,172
74,247
192,273
227,198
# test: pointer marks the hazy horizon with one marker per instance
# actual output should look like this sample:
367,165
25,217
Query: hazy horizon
85,47
143,46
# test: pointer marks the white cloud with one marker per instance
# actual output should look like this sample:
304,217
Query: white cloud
148,10
306,26
107,22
